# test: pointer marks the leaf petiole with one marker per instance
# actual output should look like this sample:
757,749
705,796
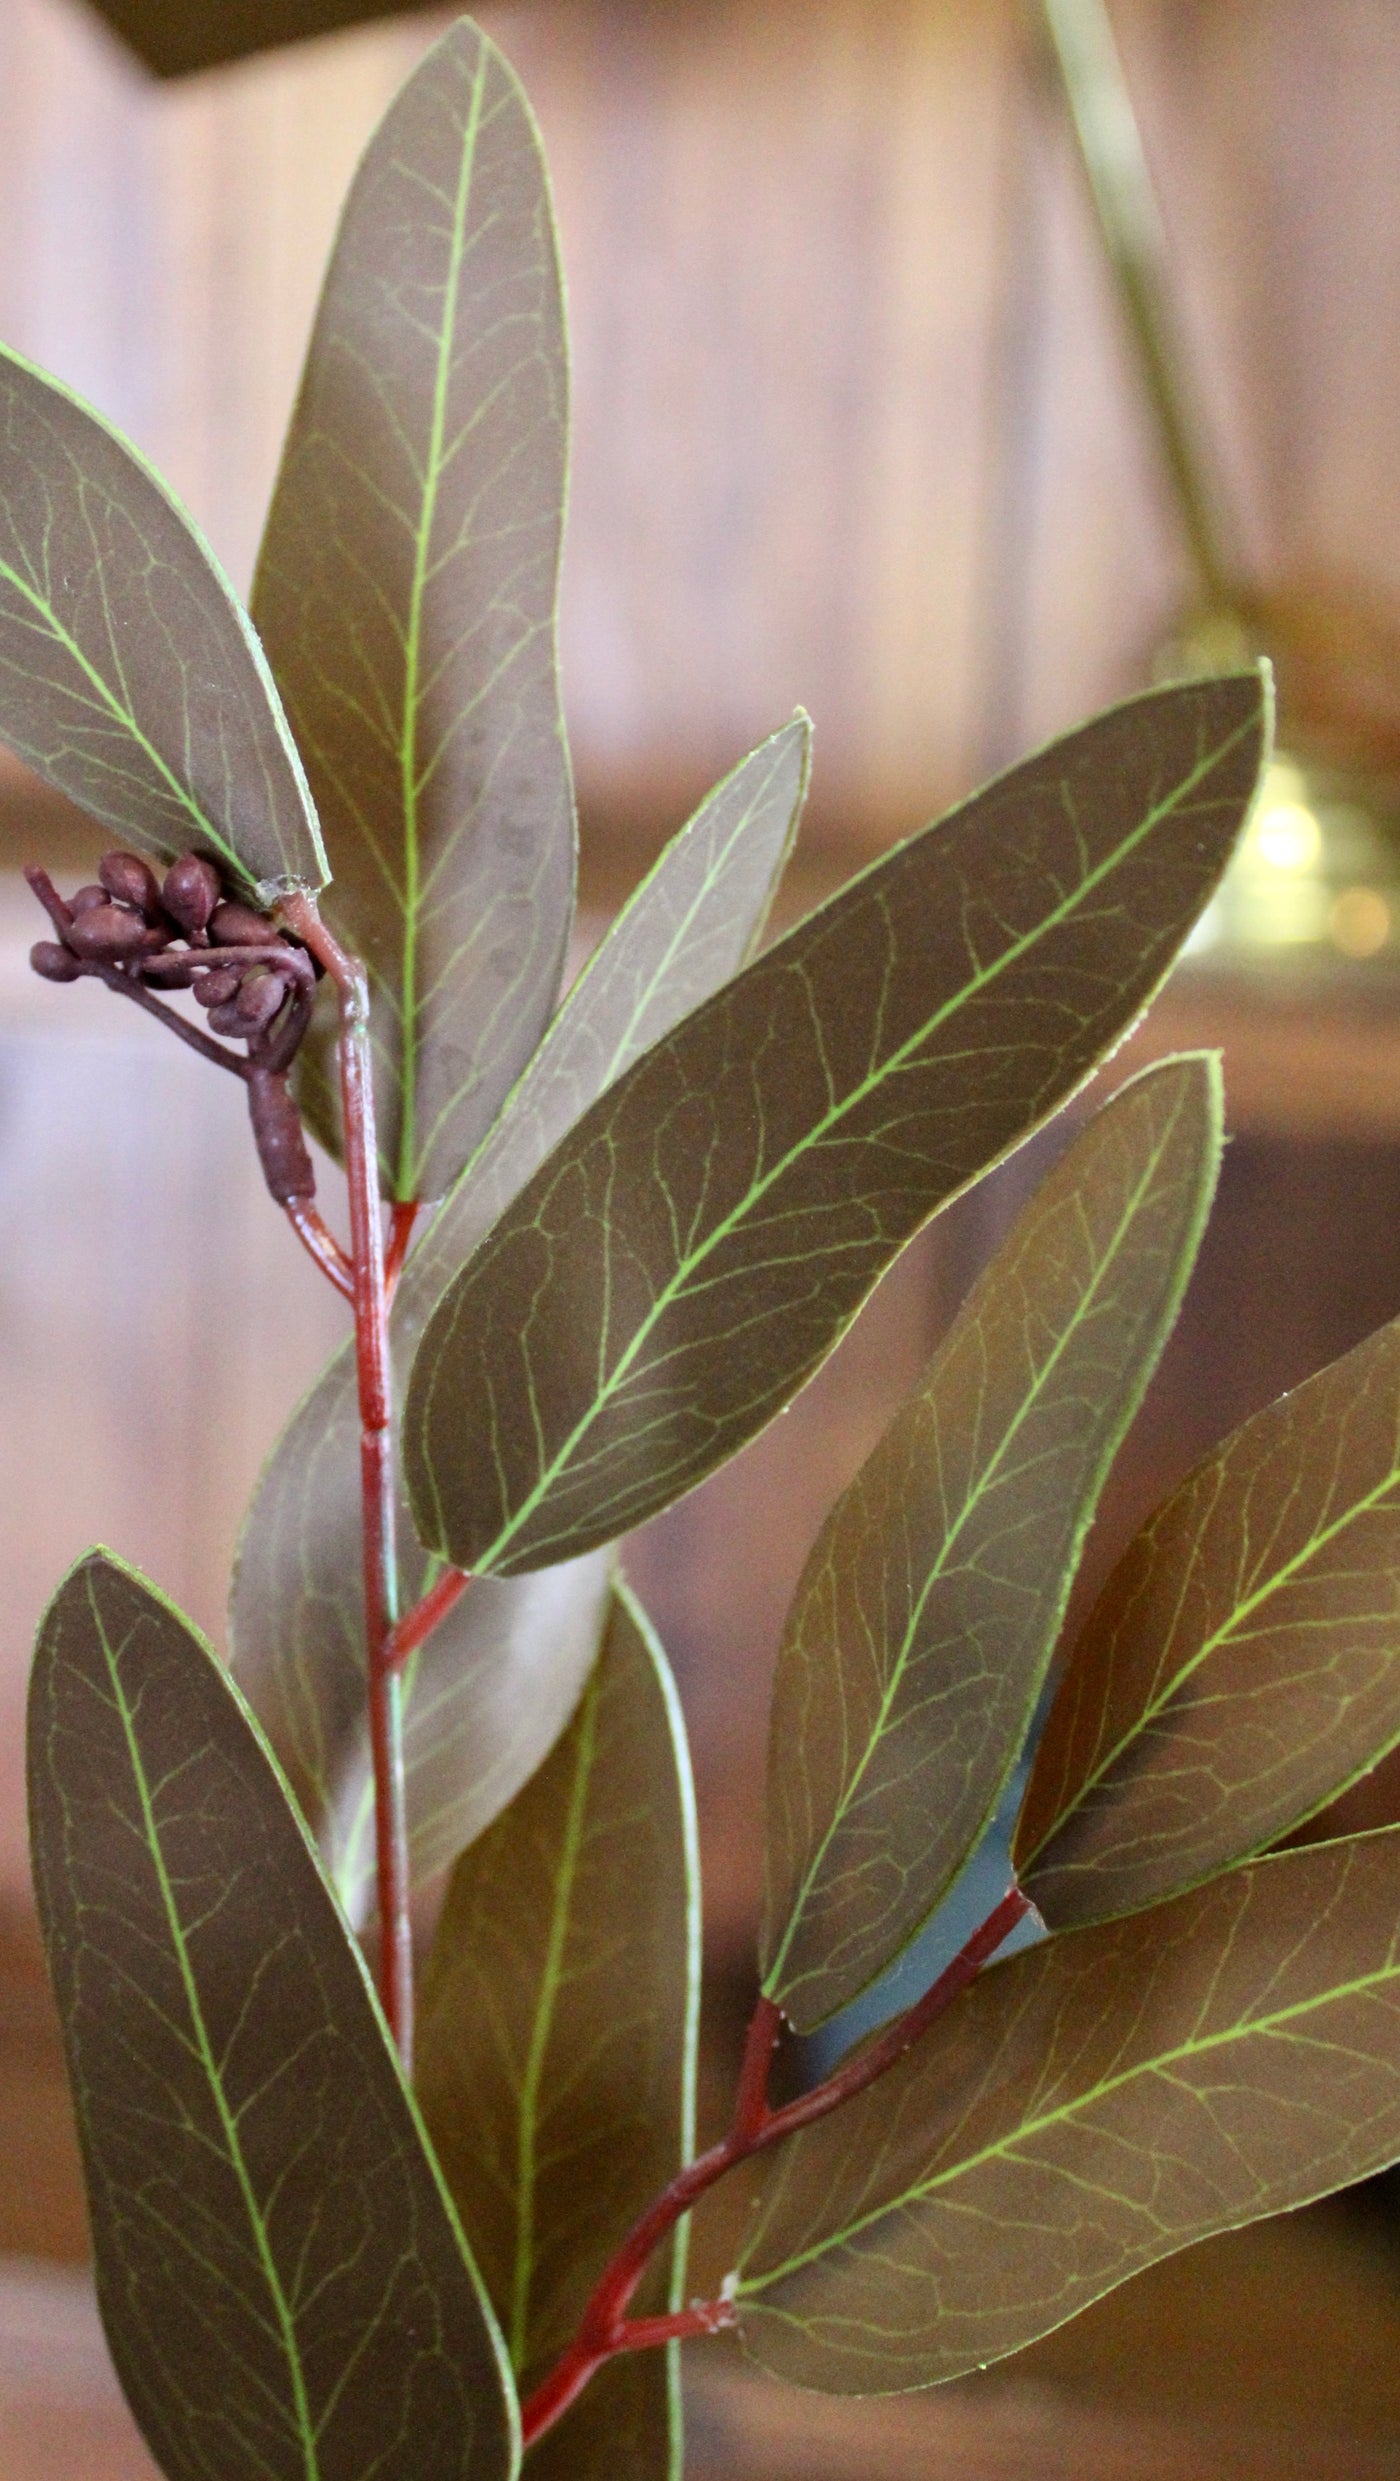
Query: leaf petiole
605,2329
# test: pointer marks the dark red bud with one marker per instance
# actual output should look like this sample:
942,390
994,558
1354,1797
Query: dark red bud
238,926
86,899
190,892
226,1019
110,934
215,988
127,878
260,998
53,962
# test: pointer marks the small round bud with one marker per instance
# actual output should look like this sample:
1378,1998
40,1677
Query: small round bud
260,998
238,926
109,934
127,879
226,1019
190,891
53,962
217,987
87,899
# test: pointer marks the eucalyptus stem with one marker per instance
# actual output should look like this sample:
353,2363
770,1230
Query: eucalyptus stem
605,2328
384,1687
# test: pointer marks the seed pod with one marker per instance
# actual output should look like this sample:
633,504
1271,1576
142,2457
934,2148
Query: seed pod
190,891
111,935
238,926
127,878
87,899
53,962
217,987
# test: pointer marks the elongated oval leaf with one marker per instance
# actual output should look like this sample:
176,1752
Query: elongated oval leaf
129,674
406,594
1242,1664
926,1615
1091,2105
695,1247
491,1691
556,2043
283,2286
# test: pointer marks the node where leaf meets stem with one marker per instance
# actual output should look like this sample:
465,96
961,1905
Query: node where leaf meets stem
384,1686
605,2328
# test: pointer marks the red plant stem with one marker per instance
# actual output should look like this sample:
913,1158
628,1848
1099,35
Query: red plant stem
419,1623
401,1222
605,2328
320,1243
384,1688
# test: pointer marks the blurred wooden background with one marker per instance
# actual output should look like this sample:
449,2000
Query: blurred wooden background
856,428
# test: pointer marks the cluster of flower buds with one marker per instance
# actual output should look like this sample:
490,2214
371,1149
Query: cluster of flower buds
143,936
181,933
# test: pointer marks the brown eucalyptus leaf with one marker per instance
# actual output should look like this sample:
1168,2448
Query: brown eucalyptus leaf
129,674
925,1618
556,2043
1242,1664
697,1244
493,1688
282,2281
1091,2105
406,595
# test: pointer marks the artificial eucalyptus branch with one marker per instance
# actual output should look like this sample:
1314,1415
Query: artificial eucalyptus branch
596,1243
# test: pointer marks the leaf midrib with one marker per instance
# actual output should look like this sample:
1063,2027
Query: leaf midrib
972,1502
1161,2064
228,2124
969,990
413,647
551,1982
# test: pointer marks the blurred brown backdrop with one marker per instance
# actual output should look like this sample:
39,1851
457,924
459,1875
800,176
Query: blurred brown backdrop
855,427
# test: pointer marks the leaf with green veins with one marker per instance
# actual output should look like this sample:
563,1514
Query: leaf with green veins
129,674
1242,1664
282,2281
925,1618
501,1675
556,2044
694,1248
406,593
1089,2106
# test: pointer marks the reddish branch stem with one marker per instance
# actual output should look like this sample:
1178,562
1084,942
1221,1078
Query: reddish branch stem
401,1222
320,1243
605,2328
376,1466
419,1623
